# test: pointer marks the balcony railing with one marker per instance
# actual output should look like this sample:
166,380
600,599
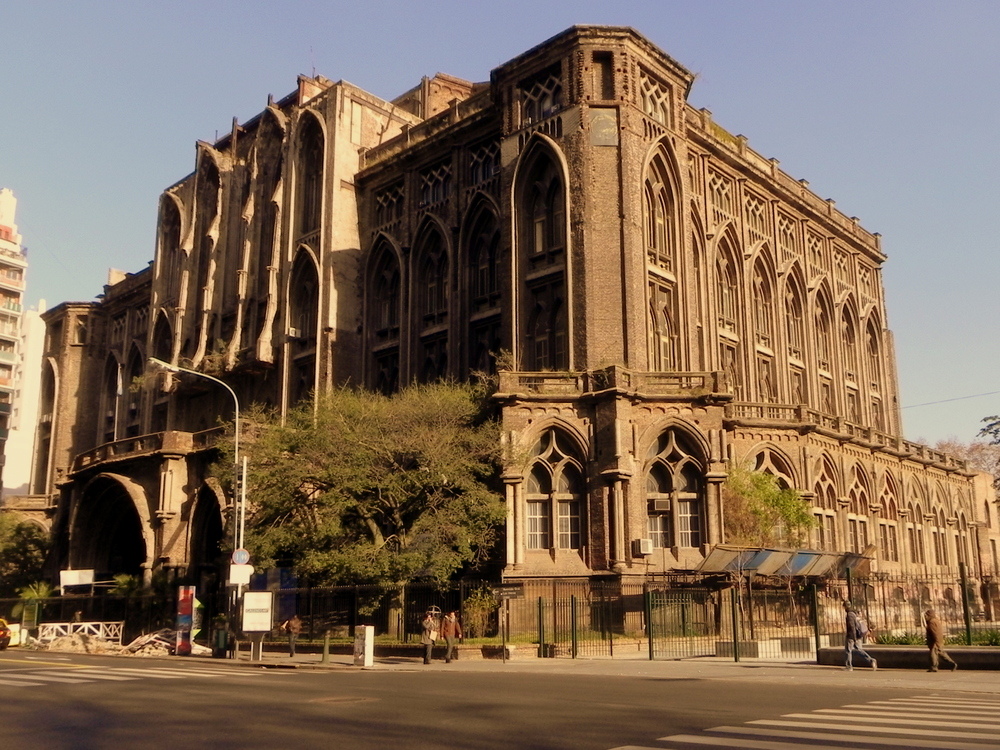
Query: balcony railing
172,441
797,415
691,384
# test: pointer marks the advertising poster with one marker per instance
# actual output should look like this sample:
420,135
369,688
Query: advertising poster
185,619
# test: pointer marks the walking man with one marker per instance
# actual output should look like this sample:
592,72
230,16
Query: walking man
854,639
292,626
935,641
452,631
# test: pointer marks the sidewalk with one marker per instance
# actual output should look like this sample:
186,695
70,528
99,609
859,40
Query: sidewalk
703,668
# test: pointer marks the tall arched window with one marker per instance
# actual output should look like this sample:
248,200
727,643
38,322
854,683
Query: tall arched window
113,389
207,234
546,339
268,221
132,392
554,495
542,207
858,511
825,510
659,215
794,323
484,290
310,175
727,285
763,305
171,260
303,321
432,294
889,522
675,492
384,316
663,344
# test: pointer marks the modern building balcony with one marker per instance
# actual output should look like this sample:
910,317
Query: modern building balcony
11,306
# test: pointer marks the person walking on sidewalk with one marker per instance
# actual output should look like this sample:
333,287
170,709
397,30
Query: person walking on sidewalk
935,641
855,630
292,626
429,630
452,631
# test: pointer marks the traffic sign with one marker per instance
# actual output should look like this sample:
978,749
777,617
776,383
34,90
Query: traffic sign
240,557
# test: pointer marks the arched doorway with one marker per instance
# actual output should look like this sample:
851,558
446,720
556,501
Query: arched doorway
107,533
207,532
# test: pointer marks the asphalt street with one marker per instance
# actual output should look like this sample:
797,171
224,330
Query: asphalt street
82,702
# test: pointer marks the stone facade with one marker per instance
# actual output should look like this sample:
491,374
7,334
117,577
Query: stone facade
657,299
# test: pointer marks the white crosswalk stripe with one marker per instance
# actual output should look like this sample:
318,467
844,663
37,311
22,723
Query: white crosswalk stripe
930,721
84,675
18,683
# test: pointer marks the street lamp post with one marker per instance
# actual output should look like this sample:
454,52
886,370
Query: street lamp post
241,470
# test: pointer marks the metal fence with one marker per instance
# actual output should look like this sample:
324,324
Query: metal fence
669,618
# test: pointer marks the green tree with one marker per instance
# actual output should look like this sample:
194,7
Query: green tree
23,549
362,487
759,512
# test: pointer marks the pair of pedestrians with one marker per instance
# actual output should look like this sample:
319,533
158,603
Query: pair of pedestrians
434,626
856,630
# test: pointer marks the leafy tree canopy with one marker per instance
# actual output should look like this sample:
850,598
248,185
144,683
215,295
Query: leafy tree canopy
362,487
759,512
23,548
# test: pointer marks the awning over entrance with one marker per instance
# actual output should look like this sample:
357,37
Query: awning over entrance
782,562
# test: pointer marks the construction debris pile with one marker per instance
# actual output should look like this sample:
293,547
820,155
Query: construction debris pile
159,643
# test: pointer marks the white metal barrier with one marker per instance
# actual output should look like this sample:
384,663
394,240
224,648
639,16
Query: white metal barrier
107,631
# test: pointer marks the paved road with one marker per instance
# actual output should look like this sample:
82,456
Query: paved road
84,702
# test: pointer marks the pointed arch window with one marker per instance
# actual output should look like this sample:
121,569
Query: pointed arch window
546,210
824,342
554,495
763,306
849,335
171,256
726,291
825,510
543,255
858,511
915,533
432,281
659,214
675,492
888,523
546,339
794,323
384,313
663,338
311,176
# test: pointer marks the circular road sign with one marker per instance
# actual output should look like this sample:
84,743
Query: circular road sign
240,557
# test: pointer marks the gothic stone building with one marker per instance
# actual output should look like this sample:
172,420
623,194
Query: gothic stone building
668,302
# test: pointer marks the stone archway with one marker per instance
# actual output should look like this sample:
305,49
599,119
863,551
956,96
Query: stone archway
207,532
110,530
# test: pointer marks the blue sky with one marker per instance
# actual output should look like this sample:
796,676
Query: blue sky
889,108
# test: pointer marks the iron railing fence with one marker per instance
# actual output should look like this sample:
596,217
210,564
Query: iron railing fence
560,618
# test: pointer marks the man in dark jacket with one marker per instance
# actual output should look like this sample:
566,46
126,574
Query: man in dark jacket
452,631
935,641
854,639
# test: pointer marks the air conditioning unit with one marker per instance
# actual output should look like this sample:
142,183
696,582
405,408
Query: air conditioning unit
642,547
661,506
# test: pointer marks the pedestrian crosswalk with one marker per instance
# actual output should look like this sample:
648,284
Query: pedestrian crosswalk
946,722
80,675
